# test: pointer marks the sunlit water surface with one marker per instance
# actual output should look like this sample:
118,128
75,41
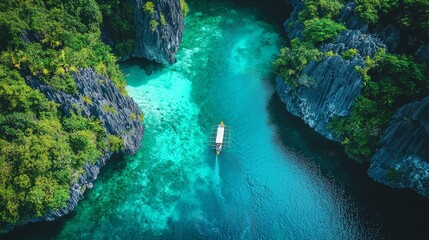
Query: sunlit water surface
278,180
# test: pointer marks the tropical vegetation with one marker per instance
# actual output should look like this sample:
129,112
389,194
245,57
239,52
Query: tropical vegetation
389,80
118,18
410,16
319,26
43,150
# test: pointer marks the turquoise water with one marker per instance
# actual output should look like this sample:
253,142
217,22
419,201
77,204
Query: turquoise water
278,180
175,187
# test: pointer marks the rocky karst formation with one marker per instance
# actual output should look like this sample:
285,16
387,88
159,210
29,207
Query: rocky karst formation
337,83
158,32
158,35
120,118
402,160
154,29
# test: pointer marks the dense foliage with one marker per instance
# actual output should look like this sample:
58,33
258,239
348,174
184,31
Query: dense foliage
184,7
411,16
292,60
390,80
320,9
317,17
118,17
349,53
42,151
319,30
370,9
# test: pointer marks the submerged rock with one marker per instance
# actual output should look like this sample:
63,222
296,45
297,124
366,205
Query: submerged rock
158,32
119,118
402,160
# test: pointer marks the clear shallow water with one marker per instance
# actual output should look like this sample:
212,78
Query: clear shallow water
279,180
175,188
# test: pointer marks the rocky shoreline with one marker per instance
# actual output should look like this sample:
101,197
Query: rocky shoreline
102,92
336,87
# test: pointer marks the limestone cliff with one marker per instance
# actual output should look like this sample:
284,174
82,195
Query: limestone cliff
402,160
144,29
336,82
120,122
158,31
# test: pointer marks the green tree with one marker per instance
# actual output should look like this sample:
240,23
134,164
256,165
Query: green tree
390,81
349,53
291,61
371,9
184,7
43,150
319,30
320,9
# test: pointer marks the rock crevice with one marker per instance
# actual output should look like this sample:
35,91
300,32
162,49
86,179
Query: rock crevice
158,32
402,161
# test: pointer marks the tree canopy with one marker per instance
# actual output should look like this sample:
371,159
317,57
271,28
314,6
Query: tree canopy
43,150
389,80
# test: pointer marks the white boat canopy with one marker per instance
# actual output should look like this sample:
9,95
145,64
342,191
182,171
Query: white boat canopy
220,133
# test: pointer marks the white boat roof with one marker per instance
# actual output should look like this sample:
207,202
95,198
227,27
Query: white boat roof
220,133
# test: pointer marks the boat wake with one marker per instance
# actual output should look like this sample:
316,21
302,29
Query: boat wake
217,166
217,180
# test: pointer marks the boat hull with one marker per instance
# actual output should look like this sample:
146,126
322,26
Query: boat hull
220,137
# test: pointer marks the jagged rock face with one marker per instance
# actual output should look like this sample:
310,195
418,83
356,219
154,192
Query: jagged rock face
102,92
350,19
334,92
422,54
391,36
31,37
336,82
76,191
158,43
402,160
292,25
366,44
104,97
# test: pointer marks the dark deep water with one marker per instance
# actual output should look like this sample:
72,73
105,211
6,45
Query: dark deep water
279,180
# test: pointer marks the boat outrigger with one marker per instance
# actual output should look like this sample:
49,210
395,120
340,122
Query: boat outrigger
220,137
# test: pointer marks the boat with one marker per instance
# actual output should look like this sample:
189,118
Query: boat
220,137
